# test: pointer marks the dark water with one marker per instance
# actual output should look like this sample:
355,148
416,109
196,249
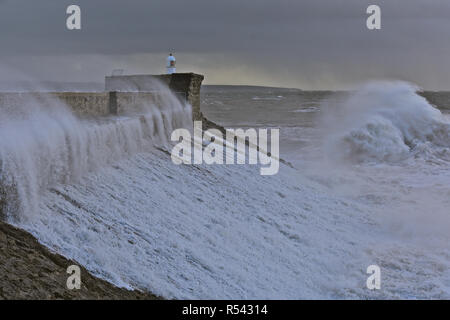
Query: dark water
245,106
297,113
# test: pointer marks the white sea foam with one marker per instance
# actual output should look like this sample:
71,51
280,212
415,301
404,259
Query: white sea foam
201,231
42,144
308,109
385,121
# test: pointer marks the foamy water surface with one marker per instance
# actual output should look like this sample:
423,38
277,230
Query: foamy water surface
370,185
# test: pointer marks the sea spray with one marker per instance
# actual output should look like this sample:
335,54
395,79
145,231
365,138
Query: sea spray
42,144
193,232
384,121
387,146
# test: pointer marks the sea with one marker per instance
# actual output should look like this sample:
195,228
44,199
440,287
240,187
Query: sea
367,182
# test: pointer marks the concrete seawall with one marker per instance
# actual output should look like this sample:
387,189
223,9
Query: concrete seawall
123,94
185,85
83,104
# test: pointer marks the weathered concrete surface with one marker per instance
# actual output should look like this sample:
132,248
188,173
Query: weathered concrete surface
28,270
85,104
123,95
188,84
134,102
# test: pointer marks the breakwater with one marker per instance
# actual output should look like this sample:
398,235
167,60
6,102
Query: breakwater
123,95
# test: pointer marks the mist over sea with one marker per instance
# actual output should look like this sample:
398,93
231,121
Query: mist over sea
369,185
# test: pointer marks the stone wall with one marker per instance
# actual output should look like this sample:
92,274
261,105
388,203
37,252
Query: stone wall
84,104
186,85
134,102
123,95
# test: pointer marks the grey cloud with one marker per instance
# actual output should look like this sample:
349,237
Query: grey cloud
309,44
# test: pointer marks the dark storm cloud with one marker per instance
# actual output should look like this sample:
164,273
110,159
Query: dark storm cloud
310,44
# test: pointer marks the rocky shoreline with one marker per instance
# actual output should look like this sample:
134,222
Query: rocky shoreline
28,270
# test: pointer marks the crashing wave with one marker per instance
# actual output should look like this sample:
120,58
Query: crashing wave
43,143
387,121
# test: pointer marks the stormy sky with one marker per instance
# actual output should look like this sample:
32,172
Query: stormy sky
308,44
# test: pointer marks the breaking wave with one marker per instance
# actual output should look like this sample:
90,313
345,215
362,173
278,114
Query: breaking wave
387,121
42,144
103,196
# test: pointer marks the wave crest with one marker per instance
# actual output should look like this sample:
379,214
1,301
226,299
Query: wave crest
387,121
